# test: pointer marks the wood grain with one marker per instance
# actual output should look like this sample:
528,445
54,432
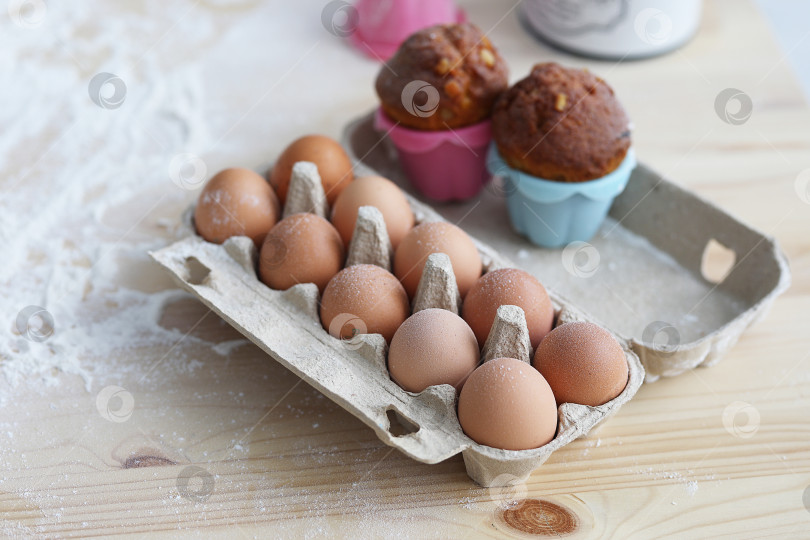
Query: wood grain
280,460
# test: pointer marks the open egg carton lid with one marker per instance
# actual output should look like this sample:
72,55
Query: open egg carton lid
642,275
353,373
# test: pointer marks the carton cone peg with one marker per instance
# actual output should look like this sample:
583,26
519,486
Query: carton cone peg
509,336
437,286
370,243
305,194
305,297
243,251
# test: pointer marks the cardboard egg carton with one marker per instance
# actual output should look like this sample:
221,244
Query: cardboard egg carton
353,373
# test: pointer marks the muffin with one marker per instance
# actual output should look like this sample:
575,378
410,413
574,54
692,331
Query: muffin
561,124
442,77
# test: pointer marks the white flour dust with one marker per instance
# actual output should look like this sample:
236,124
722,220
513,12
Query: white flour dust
85,187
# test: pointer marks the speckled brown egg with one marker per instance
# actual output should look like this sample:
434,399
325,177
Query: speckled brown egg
236,202
507,404
433,346
364,299
301,248
378,192
582,363
508,286
437,237
334,165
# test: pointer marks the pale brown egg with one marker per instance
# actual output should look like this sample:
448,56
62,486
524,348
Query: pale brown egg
513,287
301,248
378,192
433,346
334,165
437,237
582,363
364,299
236,202
507,404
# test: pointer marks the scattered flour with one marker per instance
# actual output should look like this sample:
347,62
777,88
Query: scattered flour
66,241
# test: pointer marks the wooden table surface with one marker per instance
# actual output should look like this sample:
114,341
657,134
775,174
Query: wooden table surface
234,445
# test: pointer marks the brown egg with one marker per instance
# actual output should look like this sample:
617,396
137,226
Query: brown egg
364,299
437,237
301,248
508,286
582,363
378,192
507,404
236,202
333,164
434,346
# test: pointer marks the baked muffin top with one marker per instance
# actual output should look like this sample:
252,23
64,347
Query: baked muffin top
442,77
561,124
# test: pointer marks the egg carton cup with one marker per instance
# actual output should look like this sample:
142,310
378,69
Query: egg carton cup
353,372
642,275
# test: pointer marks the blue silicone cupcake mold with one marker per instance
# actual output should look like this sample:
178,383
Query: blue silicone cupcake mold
553,214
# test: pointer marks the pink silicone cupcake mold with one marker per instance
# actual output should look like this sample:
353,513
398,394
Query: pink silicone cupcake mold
383,26
448,165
